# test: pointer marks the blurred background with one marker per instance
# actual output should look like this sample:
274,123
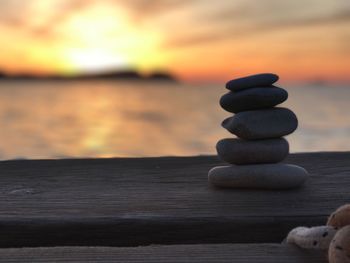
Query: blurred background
103,78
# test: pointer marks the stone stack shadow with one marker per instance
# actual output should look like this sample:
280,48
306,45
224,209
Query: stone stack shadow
255,156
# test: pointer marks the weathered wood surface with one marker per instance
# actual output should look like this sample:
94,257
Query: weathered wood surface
237,253
128,202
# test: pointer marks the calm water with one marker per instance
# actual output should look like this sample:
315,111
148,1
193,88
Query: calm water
104,119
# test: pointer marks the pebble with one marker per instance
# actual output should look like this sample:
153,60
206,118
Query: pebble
262,124
341,217
265,79
317,237
258,176
254,98
237,151
339,249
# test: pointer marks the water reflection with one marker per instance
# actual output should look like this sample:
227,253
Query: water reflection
104,119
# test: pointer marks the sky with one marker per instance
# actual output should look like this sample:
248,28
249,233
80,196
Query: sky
197,40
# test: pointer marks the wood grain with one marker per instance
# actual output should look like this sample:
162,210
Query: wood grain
238,253
140,201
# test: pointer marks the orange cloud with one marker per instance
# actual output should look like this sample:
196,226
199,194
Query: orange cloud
199,41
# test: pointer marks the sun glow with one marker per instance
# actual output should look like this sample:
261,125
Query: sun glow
91,60
104,39
194,41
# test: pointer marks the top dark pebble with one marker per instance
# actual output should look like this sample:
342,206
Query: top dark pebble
264,79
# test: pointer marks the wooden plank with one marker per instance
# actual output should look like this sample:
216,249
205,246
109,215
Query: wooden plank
238,253
139,201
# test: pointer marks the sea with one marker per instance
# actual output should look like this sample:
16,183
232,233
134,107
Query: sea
105,118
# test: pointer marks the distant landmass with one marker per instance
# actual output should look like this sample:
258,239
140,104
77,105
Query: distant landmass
110,75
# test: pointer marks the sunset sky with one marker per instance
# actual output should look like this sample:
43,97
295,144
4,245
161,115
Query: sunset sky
197,40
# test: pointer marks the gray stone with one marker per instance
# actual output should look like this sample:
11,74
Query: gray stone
237,151
252,99
265,79
262,124
258,176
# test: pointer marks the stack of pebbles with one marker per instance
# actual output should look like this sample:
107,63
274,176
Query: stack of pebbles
256,154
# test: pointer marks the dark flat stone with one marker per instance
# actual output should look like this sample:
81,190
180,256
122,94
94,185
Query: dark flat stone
237,151
258,176
252,99
264,79
262,124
